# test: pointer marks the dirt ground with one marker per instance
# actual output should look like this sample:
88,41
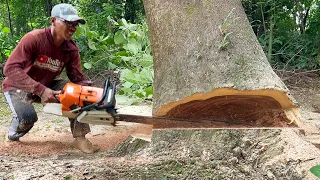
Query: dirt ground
45,152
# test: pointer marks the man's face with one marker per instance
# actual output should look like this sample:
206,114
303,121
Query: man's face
65,29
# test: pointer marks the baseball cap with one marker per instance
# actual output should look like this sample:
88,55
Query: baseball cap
67,12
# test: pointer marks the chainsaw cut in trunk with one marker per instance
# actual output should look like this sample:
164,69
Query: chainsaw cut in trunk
209,65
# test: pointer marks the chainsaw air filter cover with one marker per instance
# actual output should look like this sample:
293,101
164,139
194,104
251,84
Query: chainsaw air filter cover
78,95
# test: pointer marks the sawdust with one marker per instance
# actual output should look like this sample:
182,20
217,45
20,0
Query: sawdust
54,137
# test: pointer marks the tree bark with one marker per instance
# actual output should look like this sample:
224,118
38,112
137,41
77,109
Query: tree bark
49,7
29,15
209,65
9,18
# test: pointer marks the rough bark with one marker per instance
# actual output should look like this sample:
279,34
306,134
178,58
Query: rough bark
226,154
199,75
9,18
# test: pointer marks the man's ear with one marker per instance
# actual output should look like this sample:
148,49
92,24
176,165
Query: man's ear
52,20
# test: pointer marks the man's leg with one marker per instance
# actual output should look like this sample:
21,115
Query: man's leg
79,130
24,114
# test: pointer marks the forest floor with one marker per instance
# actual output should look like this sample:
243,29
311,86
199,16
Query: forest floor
46,152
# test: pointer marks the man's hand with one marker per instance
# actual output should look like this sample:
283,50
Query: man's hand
48,96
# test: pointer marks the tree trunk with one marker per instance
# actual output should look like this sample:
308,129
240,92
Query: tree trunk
9,18
29,15
209,65
129,11
49,7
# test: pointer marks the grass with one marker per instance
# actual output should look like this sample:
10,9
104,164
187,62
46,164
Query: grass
57,121
4,108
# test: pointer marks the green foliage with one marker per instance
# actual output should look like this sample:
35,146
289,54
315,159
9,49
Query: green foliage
126,48
279,26
116,35
7,43
69,177
315,170
224,30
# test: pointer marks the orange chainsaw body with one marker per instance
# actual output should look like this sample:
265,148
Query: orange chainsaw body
78,95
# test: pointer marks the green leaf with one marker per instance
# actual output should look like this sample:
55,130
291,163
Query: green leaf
121,53
125,100
112,66
149,92
125,58
120,37
126,90
6,30
131,77
104,47
147,75
140,94
80,31
110,40
146,60
87,65
91,45
127,84
133,46
124,25
315,170
92,34
135,35
123,22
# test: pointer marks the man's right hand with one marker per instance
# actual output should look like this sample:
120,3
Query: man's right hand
48,96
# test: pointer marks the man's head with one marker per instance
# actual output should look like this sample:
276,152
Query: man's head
65,20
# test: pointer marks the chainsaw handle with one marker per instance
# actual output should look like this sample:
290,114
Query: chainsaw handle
110,103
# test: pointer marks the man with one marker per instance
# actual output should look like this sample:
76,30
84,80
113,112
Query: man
32,68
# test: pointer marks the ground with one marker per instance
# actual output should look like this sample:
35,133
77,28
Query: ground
126,153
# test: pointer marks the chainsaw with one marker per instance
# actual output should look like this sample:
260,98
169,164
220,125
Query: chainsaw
94,105
86,104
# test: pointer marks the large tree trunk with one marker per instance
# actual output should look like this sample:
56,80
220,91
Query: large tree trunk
209,65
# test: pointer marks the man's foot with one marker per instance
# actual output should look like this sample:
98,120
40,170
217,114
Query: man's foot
9,141
84,145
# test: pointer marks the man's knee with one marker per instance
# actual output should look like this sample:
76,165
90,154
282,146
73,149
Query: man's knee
28,116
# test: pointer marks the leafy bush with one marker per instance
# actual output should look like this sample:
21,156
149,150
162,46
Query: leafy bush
292,51
7,43
125,48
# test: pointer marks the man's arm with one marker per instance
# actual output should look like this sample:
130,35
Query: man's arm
21,58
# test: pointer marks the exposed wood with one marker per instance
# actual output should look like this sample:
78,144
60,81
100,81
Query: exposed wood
199,75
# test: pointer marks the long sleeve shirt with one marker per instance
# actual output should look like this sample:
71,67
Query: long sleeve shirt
36,62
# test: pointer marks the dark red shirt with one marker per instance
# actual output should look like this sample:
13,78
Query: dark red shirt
36,62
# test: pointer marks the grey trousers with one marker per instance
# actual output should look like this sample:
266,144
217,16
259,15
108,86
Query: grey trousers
24,114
